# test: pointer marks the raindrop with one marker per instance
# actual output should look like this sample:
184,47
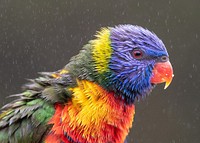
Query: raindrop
196,36
168,30
138,4
173,141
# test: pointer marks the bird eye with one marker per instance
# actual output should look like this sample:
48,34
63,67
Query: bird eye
137,54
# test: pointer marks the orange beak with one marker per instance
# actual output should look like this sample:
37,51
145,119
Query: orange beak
162,72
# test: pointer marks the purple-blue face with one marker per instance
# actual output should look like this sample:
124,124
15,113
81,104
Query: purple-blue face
135,52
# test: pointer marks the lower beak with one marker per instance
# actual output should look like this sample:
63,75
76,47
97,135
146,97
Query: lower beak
162,72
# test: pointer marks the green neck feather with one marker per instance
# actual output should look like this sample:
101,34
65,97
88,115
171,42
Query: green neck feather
93,60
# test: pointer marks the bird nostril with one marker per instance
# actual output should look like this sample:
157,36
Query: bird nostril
164,58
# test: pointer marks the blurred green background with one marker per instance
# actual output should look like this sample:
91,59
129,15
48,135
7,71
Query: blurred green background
41,35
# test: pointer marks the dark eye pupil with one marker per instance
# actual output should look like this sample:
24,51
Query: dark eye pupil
137,53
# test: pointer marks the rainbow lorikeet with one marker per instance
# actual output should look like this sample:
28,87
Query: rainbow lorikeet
91,99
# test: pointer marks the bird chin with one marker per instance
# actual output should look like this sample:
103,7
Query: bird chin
153,85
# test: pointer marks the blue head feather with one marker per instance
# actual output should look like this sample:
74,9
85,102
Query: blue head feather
130,77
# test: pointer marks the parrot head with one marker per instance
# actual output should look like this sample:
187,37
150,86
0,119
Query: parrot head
130,61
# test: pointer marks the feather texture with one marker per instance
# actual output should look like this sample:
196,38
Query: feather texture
93,115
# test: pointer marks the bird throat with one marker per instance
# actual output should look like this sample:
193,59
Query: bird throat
93,115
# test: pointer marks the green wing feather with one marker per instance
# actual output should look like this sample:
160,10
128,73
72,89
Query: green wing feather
25,119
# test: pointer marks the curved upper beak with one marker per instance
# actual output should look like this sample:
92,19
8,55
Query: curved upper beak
162,72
